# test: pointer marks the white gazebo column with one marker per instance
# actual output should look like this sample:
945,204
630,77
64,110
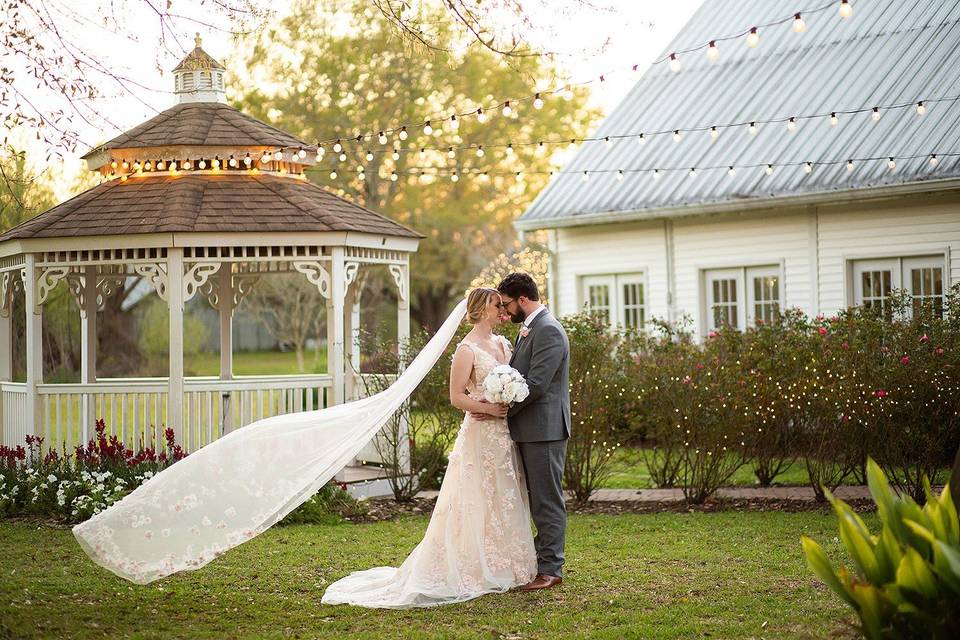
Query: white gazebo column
34,331
6,346
174,290
225,307
335,324
352,332
88,348
401,276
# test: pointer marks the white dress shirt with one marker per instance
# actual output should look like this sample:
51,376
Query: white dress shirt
528,320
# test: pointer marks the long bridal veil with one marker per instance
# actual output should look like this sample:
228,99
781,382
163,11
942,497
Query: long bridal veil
242,484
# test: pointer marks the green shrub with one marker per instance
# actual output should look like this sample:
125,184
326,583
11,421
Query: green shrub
906,580
332,504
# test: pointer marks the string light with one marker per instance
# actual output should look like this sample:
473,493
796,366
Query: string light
232,162
641,139
845,9
799,26
752,128
586,176
849,165
394,177
677,136
342,157
693,172
753,38
792,124
656,174
113,164
480,153
361,174
675,65
933,160
395,155
186,164
247,160
125,165
161,165
731,171
451,153
481,115
201,165
808,167
713,53
537,102
834,120
891,164
454,177
427,129
769,170
278,156
607,143
301,153
454,123
714,133
509,149
506,109
382,138
333,174
620,175
338,147
876,114
403,133
921,108
148,165
369,156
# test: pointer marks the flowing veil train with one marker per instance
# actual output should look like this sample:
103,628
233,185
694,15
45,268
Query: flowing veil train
243,483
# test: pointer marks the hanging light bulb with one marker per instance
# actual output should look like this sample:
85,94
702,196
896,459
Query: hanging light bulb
731,171
714,133
337,148
753,38
849,165
808,167
693,172
395,155
113,164
845,9
125,165
382,138
454,123
506,108
713,53
403,135
148,166
202,164
834,120
123,177
619,175
480,151
454,177
137,166
537,102
265,158
369,156
876,114
585,177
186,165
752,128
361,174
427,129
541,147
656,174
423,153
509,149
451,153
921,108
677,136
232,162
769,170
342,157
641,139
675,65
891,163
568,93
333,174
278,156
481,115
216,163
161,165
792,124
393,176
799,26
247,160
301,153
933,160
484,177
607,143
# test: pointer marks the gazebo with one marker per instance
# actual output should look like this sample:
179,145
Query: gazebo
200,200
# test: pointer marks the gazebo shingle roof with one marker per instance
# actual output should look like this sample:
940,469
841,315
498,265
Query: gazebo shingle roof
202,123
227,202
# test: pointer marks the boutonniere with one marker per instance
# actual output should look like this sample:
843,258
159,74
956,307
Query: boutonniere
524,332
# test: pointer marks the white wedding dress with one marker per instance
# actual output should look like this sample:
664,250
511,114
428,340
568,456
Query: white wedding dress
479,538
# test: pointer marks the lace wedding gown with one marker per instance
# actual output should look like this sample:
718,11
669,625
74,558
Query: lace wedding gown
479,538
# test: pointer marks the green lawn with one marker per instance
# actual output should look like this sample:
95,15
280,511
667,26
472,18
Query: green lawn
690,575
248,363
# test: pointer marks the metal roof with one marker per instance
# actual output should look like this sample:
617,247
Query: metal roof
889,52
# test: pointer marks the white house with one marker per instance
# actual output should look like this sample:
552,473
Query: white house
675,217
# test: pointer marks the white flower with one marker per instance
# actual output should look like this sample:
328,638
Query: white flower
505,378
493,384
51,478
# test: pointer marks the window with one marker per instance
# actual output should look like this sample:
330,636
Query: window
187,81
206,80
742,296
921,277
618,299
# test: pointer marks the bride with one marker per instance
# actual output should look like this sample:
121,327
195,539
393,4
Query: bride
479,539
238,486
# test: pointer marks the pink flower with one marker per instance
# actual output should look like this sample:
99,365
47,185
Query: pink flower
819,317
938,351
833,318
845,418
880,393
822,331
924,338
845,345
905,360
686,380
699,366
712,334
524,332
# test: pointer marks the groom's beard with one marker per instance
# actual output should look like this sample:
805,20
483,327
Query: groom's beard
518,317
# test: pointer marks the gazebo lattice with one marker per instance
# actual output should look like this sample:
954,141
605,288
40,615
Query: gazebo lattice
200,200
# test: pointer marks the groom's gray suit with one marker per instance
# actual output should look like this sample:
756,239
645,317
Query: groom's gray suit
541,425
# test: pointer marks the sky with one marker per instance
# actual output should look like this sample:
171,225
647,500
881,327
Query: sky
601,37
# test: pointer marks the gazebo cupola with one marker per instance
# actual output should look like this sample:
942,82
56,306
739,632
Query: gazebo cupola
200,199
199,77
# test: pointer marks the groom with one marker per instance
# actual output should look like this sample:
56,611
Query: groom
541,423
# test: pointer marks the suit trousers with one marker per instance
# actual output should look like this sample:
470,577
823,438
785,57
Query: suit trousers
543,465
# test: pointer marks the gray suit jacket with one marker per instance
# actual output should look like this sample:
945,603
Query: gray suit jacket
543,357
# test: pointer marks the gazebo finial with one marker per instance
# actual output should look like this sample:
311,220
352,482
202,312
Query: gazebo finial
197,40
199,77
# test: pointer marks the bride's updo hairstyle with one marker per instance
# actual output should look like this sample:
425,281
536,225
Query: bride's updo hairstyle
477,301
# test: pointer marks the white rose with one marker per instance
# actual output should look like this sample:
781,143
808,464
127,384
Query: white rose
515,389
505,378
493,384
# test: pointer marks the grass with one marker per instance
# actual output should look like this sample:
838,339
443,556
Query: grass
688,575
249,363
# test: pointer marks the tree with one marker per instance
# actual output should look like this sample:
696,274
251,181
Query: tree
324,75
290,308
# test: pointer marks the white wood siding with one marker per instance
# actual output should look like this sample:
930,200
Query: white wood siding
612,249
810,245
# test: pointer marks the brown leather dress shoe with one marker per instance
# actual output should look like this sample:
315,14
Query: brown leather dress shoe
542,581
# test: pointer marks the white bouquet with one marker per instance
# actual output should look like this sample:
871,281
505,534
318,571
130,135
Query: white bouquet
505,385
